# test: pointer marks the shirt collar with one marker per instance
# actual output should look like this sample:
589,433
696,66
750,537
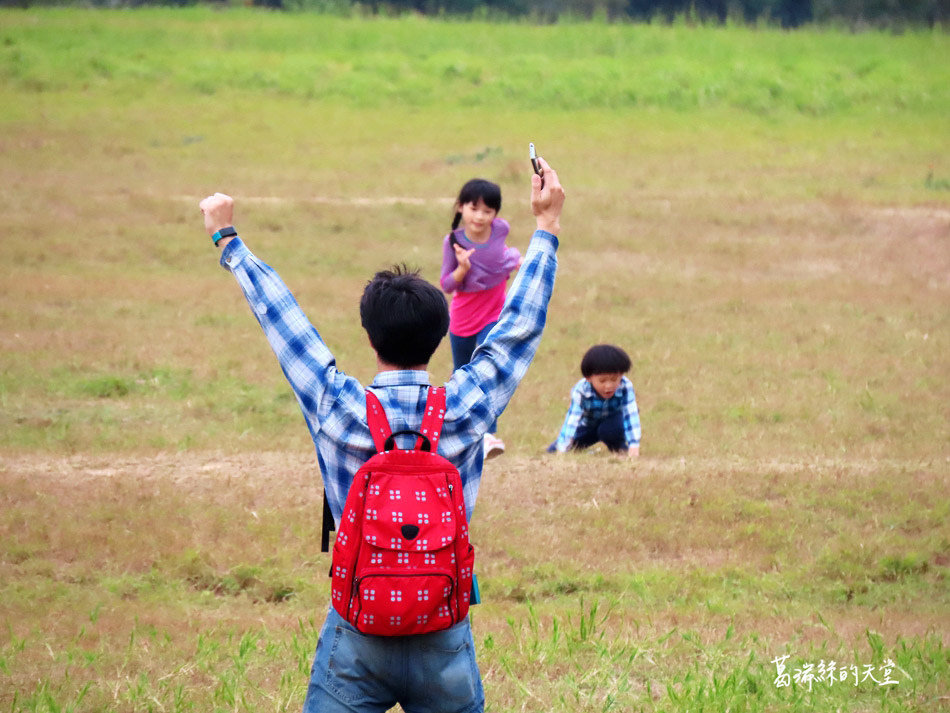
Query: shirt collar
591,392
402,377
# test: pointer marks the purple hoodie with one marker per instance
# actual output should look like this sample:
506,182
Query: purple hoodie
492,261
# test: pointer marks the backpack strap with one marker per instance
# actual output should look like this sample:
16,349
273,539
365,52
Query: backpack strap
328,524
434,417
380,430
379,427
432,420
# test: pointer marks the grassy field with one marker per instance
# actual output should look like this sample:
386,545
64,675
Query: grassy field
762,219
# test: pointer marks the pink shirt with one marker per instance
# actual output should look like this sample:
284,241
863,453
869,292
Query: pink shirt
470,311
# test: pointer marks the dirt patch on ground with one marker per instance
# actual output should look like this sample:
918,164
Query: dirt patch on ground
914,239
273,470
277,476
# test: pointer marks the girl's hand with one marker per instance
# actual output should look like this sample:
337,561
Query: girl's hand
633,451
463,257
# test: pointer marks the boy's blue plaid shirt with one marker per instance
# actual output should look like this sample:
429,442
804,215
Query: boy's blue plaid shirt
334,404
587,406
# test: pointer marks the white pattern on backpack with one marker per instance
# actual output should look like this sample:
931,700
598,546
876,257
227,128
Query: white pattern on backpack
379,552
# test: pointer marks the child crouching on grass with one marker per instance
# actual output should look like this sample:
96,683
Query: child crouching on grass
603,405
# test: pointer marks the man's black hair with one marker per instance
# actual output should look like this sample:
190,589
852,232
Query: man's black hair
477,188
404,315
605,359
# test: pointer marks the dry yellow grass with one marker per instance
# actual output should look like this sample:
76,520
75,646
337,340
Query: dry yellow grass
775,554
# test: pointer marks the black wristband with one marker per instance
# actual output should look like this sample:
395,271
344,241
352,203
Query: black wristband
228,232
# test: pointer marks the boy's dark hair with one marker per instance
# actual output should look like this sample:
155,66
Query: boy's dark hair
605,359
404,316
472,191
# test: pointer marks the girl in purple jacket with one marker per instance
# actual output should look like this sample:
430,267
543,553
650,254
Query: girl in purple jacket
476,264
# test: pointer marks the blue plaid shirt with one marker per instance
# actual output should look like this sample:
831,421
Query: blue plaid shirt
588,407
334,404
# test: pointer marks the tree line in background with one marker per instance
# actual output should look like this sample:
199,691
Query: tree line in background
787,13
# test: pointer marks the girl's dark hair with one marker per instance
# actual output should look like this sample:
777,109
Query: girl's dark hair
472,191
404,316
605,359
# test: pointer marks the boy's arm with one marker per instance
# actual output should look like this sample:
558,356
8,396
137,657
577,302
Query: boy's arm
306,361
631,419
571,421
500,362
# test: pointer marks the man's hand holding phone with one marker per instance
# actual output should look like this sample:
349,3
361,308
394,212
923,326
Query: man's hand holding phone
547,197
535,164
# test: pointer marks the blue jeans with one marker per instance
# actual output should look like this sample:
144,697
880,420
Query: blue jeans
464,347
429,673
608,430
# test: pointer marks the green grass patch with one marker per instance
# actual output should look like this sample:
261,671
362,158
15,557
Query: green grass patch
421,62
78,409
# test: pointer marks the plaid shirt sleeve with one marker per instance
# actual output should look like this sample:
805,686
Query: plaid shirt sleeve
485,385
573,418
631,414
306,361
333,403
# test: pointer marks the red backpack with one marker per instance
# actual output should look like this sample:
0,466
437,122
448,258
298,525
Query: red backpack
402,562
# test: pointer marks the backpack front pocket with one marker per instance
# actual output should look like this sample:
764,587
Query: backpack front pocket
395,604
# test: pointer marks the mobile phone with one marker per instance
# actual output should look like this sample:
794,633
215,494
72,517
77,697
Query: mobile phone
535,164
